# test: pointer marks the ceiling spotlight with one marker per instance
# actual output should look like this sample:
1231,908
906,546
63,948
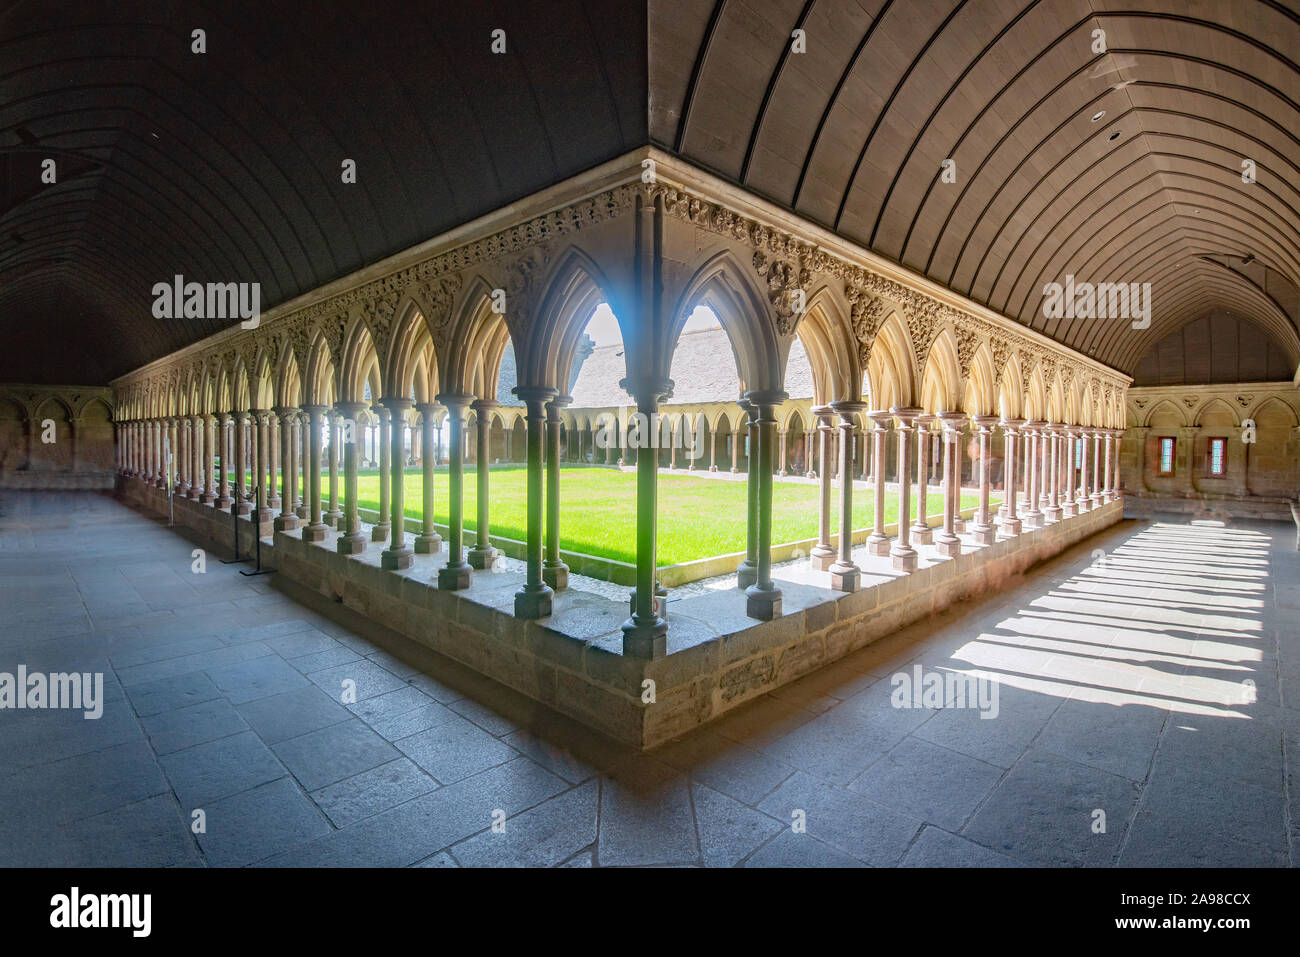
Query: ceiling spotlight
1114,136
1098,115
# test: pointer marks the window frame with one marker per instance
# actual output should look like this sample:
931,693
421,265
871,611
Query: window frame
1223,457
1160,455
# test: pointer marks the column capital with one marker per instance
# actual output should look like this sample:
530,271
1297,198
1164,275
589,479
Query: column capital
766,398
554,407
984,422
906,414
847,407
396,403
316,409
649,388
350,410
285,411
480,405
952,421
534,394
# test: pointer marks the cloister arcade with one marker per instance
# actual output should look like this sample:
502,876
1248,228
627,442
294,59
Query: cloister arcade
899,377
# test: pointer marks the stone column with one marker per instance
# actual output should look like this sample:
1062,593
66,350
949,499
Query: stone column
982,529
184,459
240,440
174,427
763,598
275,468
922,534
301,457
1033,517
823,554
1067,501
645,632
845,575
286,520
534,600
782,434
333,514
429,542
483,555
735,449
1053,512
1011,525
455,575
352,541
878,541
946,541
554,572
1108,470
810,451
223,460
1095,498
398,554
379,532
747,572
316,531
1082,502
904,555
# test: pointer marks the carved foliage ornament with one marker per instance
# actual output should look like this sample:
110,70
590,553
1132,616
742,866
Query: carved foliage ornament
783,278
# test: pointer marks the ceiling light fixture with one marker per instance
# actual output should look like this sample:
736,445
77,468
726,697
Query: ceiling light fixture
1098,115
1114,136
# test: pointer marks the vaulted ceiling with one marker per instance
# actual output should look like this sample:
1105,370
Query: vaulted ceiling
226,165
1115,166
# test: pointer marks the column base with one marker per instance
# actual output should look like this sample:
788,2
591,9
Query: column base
905,559
315,533
244,508
207,498
286,523
1032,520
1081,505
1095,500
393,559
713,468
482,557
428,544
1053,513
878,545
333,517
263,516
922,534
1067,509
958,524
645,638
224,502
381,532
1011,526
454,577
822,557
746,575
846,577
983,534
762,603
350,544
533,604
948,547
734,470
341,524
302,512
557,575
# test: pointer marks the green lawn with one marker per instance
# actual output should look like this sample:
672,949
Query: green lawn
698,517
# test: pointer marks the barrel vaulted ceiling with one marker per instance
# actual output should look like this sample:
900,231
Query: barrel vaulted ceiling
853,133
226,165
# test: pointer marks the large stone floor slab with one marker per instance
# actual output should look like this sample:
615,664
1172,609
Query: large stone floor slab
1151,673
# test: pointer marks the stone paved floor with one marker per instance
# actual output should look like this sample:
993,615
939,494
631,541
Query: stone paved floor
1151,675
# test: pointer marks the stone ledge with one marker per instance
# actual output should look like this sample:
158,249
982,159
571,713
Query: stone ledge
572,661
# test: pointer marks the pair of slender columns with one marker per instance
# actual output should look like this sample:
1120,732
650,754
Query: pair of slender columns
982,530
845,575
352,541
946,541
334,514
922,533
382,528
1052,438
428,542
1011,523
316,530
1033,515
286,520
903,554
535,598
398,554
763,600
